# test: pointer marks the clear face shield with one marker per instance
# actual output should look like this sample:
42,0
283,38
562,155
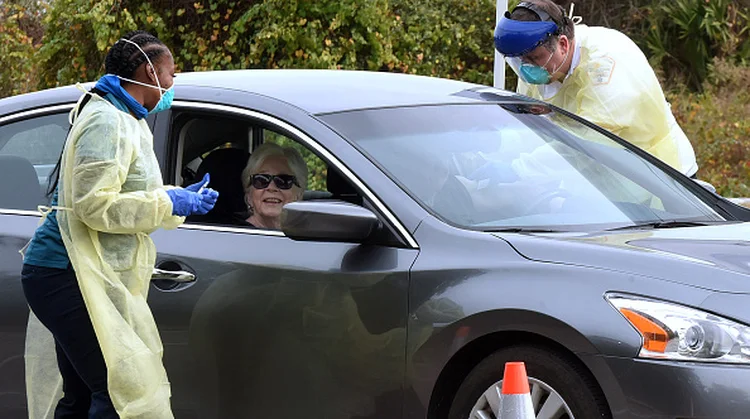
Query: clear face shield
532,73
515,39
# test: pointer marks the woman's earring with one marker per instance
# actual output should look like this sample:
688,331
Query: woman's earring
248,204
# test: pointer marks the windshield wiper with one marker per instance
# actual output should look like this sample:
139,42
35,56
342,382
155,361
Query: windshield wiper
523,230
662,224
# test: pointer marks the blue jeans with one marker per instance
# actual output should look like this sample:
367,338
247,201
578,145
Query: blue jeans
55,298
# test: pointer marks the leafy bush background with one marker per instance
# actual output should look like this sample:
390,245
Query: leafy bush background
716,119
700,48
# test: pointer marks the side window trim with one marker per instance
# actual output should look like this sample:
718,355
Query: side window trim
228,229
6,211
35,112
312,144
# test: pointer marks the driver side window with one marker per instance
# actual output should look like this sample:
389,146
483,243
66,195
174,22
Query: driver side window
233,149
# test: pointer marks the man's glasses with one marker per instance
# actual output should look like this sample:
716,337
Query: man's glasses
261,181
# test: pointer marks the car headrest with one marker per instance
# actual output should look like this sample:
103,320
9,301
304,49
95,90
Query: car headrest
21,188
225,166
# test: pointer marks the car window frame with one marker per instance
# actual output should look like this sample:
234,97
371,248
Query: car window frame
24,115
264,119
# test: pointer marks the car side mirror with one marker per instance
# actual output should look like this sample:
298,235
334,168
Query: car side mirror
328,220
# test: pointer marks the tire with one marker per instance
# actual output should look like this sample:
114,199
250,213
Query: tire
572,383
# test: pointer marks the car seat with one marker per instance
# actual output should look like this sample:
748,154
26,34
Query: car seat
225,165
21,190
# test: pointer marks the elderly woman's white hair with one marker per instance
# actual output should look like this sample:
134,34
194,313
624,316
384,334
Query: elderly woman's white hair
258,157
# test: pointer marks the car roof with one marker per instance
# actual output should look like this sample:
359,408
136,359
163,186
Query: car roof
324,91
314,91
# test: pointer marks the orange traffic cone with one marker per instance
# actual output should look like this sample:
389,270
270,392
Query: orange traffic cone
515,402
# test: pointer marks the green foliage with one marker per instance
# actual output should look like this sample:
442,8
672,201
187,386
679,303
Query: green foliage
16,49
716,121
77,36
684,36
221,34
450,38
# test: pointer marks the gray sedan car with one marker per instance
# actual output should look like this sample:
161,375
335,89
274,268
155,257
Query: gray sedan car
446,229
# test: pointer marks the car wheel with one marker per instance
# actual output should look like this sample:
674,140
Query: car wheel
560,388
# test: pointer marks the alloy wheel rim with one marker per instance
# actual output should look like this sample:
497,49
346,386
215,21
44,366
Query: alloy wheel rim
547,402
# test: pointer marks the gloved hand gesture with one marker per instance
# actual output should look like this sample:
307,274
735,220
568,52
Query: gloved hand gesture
186,202
195,187
208,200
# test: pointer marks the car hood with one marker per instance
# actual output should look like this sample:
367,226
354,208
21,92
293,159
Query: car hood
711,257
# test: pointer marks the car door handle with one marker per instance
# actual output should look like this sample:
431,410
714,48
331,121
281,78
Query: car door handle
172,276
181,277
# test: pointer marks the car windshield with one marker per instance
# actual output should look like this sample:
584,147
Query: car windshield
499,166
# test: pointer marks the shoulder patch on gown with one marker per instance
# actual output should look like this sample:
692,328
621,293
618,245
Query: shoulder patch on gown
601,70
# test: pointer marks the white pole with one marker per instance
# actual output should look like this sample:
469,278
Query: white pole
499,74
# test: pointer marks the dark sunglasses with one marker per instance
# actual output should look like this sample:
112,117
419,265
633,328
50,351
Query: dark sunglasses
261,181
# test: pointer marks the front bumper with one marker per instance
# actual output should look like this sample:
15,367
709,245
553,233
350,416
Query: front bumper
679,390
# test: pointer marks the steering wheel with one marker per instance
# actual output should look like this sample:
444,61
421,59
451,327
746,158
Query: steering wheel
545,198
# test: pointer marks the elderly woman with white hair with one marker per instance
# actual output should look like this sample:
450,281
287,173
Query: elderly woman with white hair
274,176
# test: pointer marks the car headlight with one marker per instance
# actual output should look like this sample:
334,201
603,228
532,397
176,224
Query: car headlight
675,332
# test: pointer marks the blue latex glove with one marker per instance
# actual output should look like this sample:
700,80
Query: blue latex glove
195,187
184,202
496,172
208,200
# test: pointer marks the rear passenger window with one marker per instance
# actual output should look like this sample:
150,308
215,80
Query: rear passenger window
29,150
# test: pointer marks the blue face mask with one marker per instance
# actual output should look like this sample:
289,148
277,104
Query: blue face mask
533,74
165,102
165,98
